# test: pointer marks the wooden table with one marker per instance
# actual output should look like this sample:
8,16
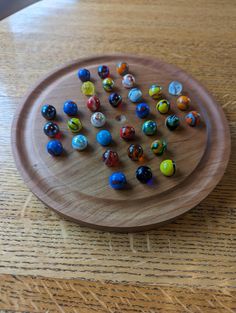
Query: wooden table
48,264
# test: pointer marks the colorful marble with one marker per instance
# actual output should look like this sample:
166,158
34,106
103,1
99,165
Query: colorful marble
54,147
103,71
183,103
84,74
144,174
48,111
74,125
149,128
79,142
175,88
115,99
172,122
110,158
93,104
98,119
168,167
163,106
108,84
122,68
70,108
51,129
142,110
192,118
117,180
127,132
128,81
155,91
88,88
135,95
104,137
135,152
158,146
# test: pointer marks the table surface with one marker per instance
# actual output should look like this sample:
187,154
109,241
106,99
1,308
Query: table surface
48,264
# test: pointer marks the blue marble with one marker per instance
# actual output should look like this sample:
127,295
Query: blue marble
70,108
48,111
142,110
54,147
135,95
104,137
117,180
79,142
84,74
175,88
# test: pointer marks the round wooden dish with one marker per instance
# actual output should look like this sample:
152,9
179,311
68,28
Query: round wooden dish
76,184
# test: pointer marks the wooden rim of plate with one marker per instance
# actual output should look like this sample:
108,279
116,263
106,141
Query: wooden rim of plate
196,186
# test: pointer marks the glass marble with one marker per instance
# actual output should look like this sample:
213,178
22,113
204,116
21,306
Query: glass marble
88,88
128,81
74,124
115,99
108,84
98,119
144,174
122,68
48,111
84,74
135,95
79,142
192,118
127,132
135,152
149,128
168,167
103,71
54,147
175,88
104,137
155,91
172,122
163,106
158,146
110,158
51,129
70,108
183,103
142,110
93,104
117,180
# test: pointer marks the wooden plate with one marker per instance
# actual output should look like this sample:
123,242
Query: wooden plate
76,184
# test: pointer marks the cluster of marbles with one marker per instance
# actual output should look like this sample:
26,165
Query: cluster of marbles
127,132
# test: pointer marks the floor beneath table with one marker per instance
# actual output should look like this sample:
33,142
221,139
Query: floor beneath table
10,7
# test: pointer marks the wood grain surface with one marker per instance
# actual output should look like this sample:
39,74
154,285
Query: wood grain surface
76,184
185,266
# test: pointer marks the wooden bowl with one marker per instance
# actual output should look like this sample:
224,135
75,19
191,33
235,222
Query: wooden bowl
76,183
